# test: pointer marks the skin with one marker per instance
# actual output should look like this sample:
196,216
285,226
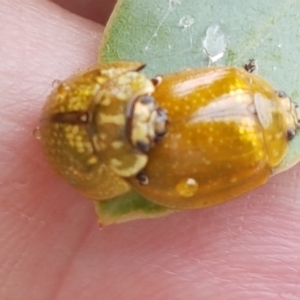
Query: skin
50,244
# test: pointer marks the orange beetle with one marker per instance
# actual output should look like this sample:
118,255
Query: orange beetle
227,130
184,140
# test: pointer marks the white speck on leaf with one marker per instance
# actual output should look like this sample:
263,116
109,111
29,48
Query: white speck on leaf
186,21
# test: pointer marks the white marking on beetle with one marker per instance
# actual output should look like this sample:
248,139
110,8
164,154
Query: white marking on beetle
115,163
112,119
138,165
117,144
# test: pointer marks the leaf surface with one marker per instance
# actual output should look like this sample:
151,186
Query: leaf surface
169,35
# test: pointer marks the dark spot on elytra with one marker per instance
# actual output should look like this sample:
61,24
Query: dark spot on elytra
147,99
143,146
73,117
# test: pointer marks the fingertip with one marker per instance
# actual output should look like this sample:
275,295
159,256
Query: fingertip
41,42
95,10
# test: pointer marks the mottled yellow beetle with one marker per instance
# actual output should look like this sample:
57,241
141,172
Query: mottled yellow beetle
184,140
97,126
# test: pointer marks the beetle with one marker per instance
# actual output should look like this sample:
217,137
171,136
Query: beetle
184,140
98,125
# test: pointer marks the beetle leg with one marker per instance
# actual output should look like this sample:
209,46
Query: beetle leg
143,146
250,66
290,134
297,111
142,178
156,80
281,94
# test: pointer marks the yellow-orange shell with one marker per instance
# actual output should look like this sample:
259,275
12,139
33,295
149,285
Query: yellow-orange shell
227,129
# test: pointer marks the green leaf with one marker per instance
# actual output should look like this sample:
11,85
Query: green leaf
128,207
168,35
